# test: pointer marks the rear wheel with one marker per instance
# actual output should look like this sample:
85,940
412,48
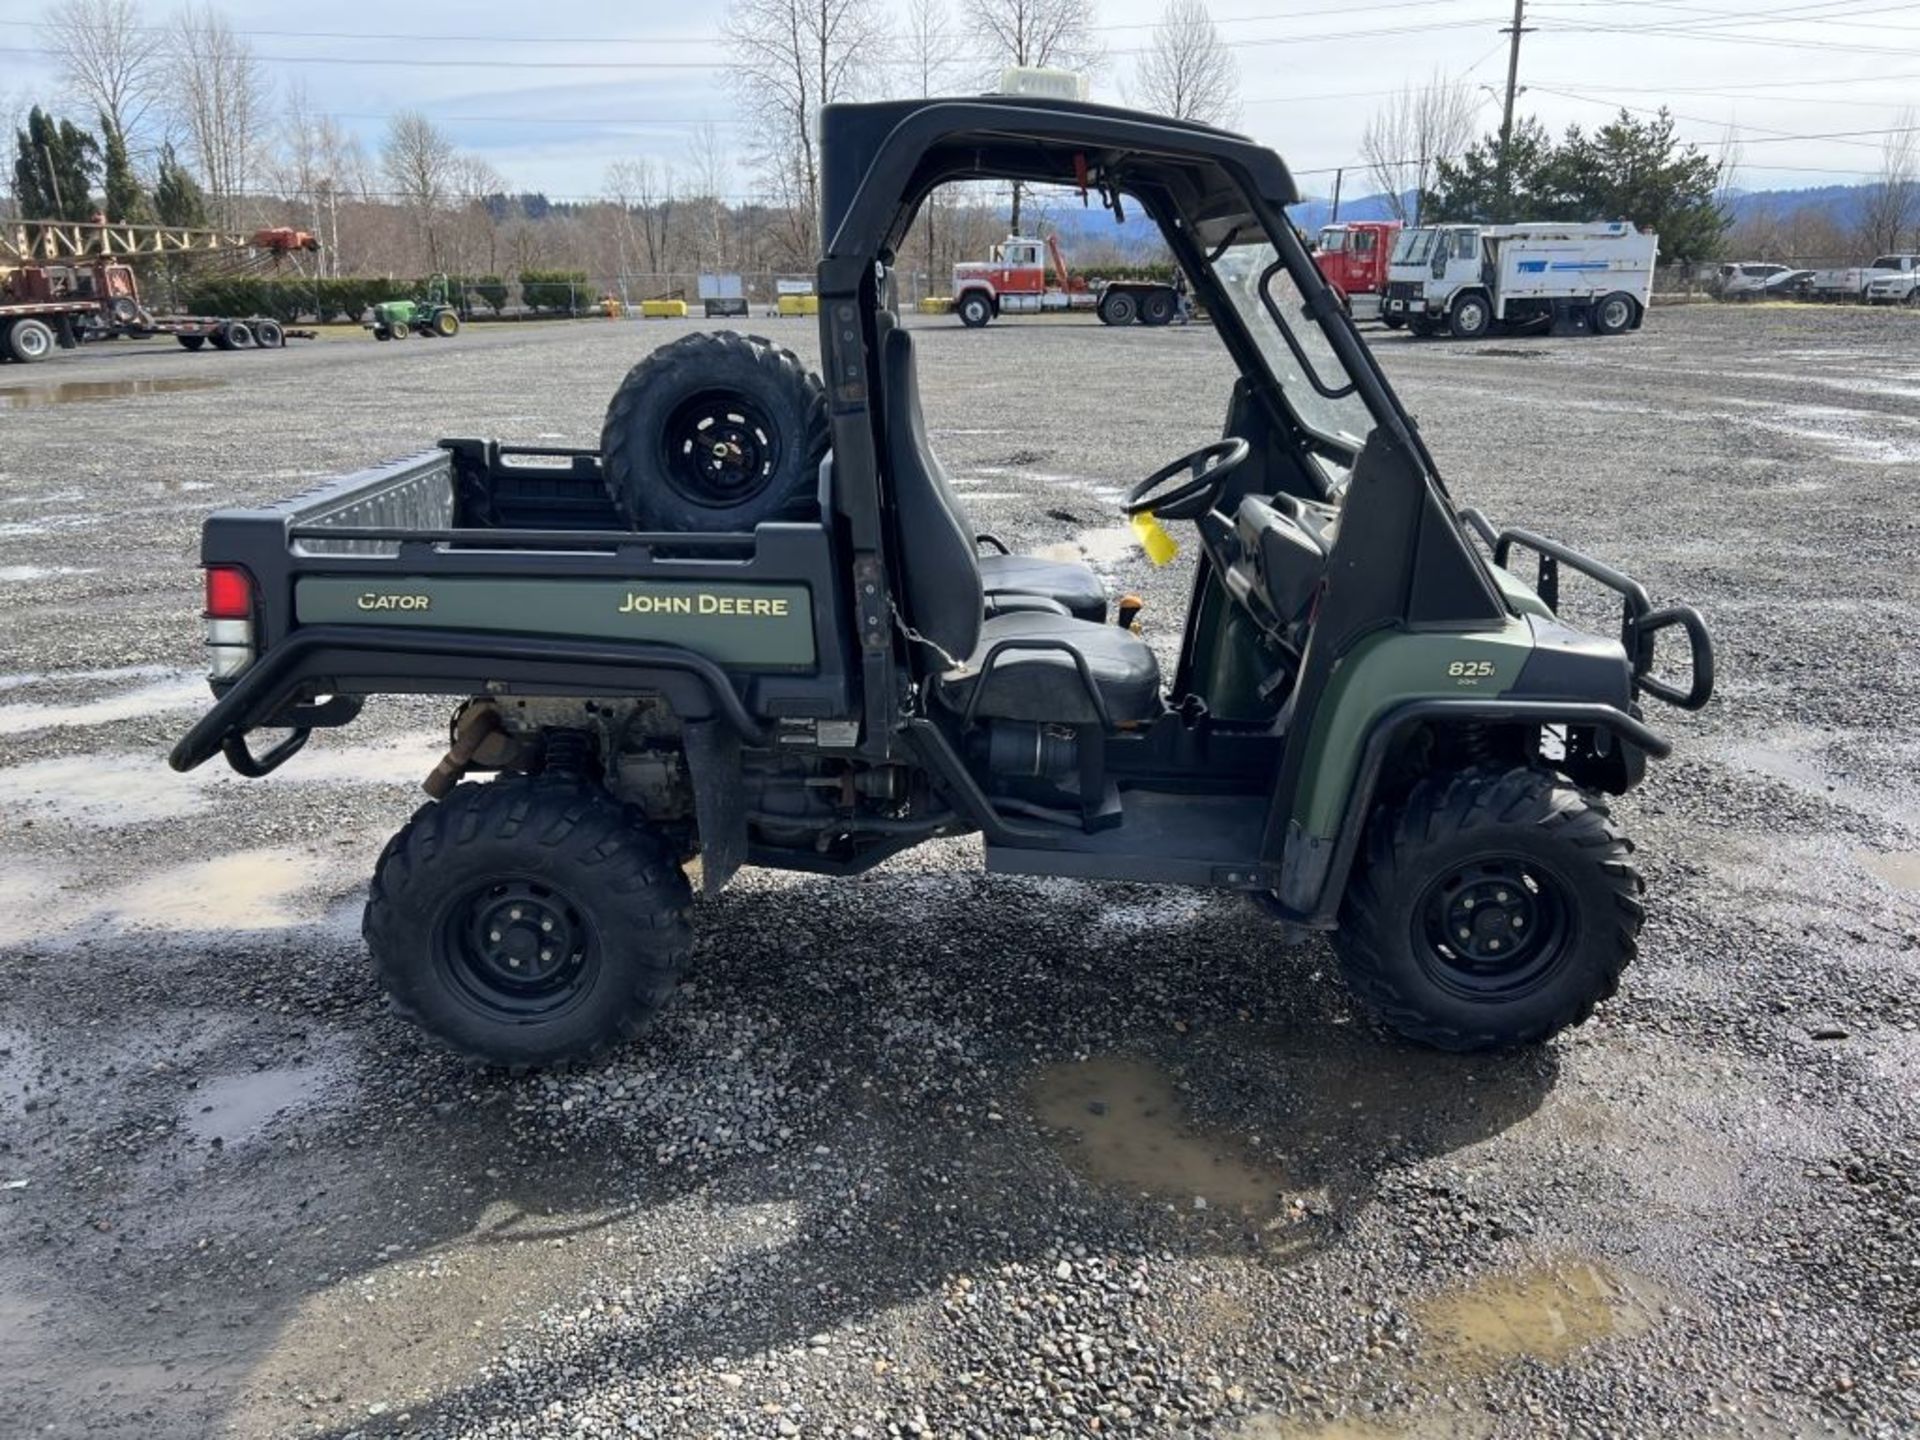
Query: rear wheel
1472,317
1119,307
1491,910
716,431
269,334
1158,307
1613,314
238,335
530,921
974,309
29,340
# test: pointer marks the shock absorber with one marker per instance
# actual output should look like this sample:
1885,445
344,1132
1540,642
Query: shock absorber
569,755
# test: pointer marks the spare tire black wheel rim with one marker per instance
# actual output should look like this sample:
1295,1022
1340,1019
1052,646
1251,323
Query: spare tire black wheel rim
720,449
517,950
1494,928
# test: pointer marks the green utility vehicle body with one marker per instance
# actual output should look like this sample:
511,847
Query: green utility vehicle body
819,693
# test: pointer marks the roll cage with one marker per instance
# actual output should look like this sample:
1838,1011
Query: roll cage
1206,189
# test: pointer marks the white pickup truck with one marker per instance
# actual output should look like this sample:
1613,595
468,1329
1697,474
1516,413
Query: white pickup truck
1864,283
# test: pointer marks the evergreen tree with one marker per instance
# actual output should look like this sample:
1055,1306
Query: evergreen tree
177,196
1627,170
53,169
125,201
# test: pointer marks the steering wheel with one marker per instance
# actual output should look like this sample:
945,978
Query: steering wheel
1209,467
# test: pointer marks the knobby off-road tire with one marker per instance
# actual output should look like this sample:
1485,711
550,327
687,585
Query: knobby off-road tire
1491,909
528,922
717,431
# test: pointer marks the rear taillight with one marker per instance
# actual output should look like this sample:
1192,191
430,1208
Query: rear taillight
229,616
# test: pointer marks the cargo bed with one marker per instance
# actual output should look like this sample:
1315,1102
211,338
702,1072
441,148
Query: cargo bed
484,568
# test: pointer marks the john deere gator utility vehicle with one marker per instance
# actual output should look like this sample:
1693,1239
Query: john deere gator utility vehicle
755,627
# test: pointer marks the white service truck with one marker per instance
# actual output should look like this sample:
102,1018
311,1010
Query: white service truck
1895,280
1468,279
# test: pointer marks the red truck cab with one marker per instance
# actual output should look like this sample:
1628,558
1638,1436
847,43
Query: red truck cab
1353,255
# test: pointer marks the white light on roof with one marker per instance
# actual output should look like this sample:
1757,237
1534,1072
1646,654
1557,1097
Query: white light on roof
1043,83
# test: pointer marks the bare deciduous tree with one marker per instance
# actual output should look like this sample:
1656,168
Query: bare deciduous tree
930,43
708,169
110,61
419,161
790,58
1188,72
1892,208
1411,133
1055,33
221,93
642,194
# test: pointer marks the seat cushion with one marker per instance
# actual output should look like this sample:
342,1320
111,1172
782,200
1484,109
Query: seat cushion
1045,685
1072,584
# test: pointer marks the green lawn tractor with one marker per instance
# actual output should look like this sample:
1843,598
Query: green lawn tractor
433,315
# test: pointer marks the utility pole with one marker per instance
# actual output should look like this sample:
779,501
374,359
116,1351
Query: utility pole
1515,31
1338,176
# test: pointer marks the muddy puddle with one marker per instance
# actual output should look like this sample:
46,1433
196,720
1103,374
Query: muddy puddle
27,574
1547,1313
107,789
1119,1121
181,691
1900,870
247,890
233,1109
77,392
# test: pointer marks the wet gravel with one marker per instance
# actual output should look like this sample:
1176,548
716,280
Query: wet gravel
927,1153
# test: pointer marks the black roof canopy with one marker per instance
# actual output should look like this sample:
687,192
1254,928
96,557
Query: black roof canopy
880,160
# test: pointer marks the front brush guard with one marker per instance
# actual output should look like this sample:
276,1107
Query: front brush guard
1640,623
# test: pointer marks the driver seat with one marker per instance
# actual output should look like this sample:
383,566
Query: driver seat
1038,677
1025,582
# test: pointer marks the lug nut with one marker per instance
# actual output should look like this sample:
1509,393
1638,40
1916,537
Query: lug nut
544,955
514,914
546,925
494,935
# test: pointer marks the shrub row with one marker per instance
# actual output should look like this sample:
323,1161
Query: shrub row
556,290
325,301
1163,272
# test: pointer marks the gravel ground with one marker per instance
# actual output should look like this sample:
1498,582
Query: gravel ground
926,1153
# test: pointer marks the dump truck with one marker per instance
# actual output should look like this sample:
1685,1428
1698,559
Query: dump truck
1469,280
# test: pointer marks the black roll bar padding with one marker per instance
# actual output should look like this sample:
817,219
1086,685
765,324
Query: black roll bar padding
1700,645
263,686
987,537
1322,909
1037,642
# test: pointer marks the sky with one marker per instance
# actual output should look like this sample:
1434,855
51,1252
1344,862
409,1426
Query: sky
550,95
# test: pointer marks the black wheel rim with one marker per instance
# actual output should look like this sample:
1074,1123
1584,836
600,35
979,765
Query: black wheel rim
720,449
1493,928
517,950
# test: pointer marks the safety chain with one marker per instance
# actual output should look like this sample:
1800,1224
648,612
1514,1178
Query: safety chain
956,669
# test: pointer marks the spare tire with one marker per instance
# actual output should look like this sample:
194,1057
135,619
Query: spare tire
718,432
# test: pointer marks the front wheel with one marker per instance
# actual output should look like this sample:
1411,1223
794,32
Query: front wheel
1492,909
974,310
1472,317
528,922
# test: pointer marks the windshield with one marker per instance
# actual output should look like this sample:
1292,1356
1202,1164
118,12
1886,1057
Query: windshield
1413,247
1333,240
1318,388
